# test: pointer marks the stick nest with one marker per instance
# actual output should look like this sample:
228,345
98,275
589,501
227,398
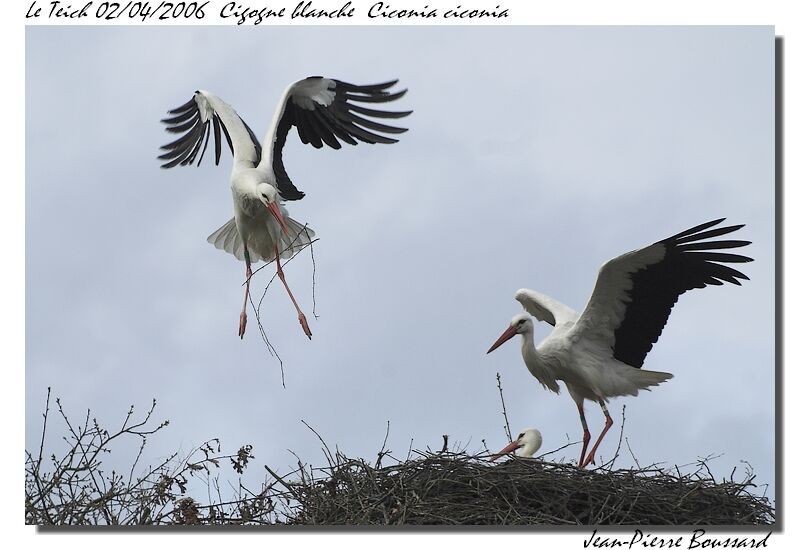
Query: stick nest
458,489
448,487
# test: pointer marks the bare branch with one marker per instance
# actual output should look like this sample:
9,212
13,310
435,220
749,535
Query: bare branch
503,402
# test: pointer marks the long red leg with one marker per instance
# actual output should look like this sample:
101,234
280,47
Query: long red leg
609,422
300,316
243,314
586,435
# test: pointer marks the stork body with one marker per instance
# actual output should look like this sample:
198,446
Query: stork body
324,111
255,234
599,353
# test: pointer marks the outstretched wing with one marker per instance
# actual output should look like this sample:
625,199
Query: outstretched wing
195,120
327,111
635,292
545,308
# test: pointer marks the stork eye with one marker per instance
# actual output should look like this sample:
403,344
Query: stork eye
520,436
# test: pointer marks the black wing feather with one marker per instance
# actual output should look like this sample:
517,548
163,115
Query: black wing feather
227,135
320,130
179,143
337,127
687,264
368,88
180,128
285,186
372,125
327,132
694,230
217,139
198,143
711,233
310,133
205,145
378,114
364,135
331,124
189,106
196,134
717,245
179,118
182,148
375,98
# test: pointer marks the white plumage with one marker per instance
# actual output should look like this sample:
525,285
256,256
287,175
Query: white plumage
262,249
599,353
527,443
324,111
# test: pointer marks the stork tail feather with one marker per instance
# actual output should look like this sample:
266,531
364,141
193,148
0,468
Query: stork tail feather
227,238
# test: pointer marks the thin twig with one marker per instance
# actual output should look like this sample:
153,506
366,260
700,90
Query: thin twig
627,443
313,275
327,450
503,402
270,348
383,452
257,309
428,487
610,464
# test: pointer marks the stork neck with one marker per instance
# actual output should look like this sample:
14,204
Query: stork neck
529,348
537,364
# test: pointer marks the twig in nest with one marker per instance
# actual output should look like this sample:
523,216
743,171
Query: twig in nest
410,447
610,464
627,444
383,452
427,488
327,450
503,402
564,446
460,489
280,480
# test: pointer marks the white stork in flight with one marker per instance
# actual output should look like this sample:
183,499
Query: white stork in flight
324,111
599,353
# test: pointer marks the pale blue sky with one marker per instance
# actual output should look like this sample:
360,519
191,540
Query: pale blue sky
534,154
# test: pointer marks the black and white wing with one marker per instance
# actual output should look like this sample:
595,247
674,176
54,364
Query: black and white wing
326,112
545,308
635,292
195,119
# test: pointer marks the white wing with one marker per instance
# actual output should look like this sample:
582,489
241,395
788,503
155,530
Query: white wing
322,111
635,292
195,119
545,308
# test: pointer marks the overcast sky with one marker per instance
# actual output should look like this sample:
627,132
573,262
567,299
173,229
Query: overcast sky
534,155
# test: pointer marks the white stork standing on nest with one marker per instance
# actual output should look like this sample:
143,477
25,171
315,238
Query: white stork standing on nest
324,111
599,354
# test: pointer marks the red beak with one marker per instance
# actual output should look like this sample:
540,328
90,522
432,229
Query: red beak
510,448
273,208
510,332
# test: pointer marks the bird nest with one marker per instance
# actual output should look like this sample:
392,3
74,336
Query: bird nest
448,487
460,489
